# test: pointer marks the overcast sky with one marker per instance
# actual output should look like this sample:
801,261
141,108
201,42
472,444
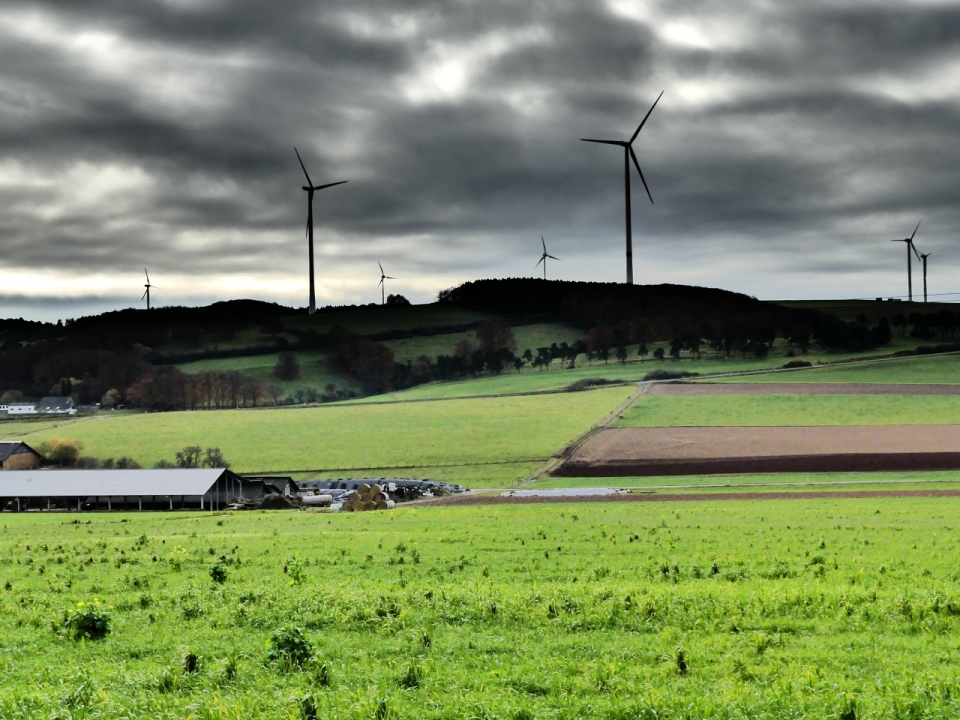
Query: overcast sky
793,141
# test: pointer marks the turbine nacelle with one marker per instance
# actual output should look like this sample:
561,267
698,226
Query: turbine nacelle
628,156
310,188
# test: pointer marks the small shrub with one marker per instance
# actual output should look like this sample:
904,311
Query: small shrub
412,678
191,663
290,645
797,364
681,662
88,621
59,451
308,708
218,573
177,558
321,675
668,375
295,570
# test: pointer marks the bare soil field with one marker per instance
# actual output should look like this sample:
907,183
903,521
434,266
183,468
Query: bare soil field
800,389
648,497
622,452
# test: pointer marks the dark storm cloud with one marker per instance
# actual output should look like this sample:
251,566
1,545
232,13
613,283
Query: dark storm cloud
160,133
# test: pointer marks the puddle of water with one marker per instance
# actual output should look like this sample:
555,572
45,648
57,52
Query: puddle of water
564,492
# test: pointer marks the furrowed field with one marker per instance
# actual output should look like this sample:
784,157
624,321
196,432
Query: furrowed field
816,609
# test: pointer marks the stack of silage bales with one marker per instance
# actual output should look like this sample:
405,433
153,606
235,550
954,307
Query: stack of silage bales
367,497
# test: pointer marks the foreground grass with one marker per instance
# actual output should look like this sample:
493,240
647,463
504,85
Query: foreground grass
822,609
790,410
424,437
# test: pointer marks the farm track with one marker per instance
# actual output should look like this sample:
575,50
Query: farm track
650,497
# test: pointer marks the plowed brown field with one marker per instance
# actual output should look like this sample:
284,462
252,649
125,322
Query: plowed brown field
621,452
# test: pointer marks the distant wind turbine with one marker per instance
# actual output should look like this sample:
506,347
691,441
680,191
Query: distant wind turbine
311,188
543,258
146,293
628,154
923,258
382,285
910,251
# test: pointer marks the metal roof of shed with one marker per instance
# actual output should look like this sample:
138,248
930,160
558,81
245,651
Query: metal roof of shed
107,483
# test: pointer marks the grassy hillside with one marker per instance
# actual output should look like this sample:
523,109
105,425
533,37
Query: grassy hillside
479,442
315,370
784,609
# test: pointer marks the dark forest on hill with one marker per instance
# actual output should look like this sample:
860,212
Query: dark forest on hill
124,350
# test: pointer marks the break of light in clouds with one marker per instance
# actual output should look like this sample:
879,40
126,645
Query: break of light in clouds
793,141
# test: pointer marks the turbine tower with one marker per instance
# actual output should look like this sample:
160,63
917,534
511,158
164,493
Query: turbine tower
628,154
381,285
910,250
311,188
543,258
146,293
923,258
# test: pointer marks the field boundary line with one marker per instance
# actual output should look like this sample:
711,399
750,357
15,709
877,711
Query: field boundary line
639,489
419,466
554,462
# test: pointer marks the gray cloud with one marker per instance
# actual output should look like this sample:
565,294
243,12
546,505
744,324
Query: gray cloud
793,141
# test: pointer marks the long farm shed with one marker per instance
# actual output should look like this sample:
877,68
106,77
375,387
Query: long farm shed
198,489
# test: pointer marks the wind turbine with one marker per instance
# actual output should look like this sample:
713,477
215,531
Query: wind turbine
910,249
381,285
923,258
146,293
311,188
543,258
628,154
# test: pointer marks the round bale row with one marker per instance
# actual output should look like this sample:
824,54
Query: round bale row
367,497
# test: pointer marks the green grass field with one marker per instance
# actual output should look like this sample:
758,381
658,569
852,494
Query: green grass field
525,336
819,609
478,442
787,410
773,482
923,370
315,370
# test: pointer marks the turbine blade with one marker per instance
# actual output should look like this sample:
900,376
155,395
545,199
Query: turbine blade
637,163
554,258
144,295
915,231
543,242
604,142
380,283
915,251
538,262
321,187
309,181
147,274
388,277
380,266
645,117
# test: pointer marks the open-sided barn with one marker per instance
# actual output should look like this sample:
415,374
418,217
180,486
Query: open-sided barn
197,489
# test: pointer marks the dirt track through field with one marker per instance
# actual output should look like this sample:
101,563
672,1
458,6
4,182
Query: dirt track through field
800,389
623,452
458,500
